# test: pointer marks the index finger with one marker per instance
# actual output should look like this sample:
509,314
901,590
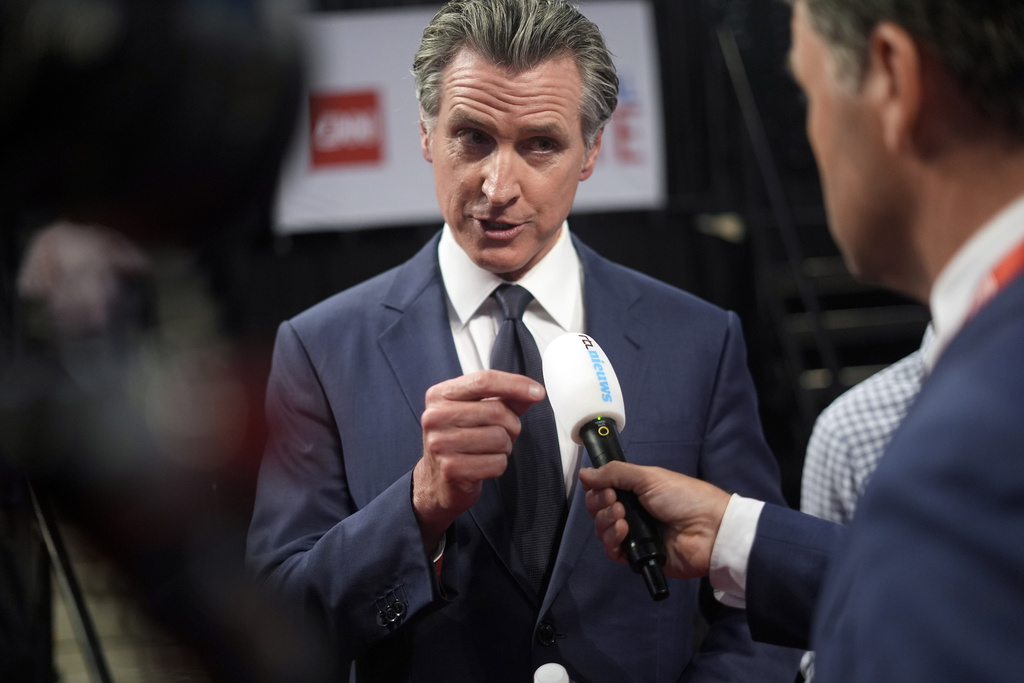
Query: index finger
519,392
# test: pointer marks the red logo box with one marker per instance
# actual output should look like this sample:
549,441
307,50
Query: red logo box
345,128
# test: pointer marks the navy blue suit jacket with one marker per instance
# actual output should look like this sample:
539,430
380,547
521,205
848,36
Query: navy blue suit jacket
927,584
334,529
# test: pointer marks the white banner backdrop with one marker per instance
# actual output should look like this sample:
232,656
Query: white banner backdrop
355,160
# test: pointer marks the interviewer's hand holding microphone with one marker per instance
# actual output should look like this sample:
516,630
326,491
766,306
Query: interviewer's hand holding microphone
690,510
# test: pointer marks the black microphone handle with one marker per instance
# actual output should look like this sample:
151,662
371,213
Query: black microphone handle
643,546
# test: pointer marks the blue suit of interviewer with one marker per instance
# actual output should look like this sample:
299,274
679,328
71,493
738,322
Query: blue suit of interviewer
334,528
927,582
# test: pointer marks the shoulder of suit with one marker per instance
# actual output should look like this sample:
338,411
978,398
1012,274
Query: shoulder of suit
368,300
650,289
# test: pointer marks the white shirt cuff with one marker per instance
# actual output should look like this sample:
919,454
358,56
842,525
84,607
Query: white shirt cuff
731,552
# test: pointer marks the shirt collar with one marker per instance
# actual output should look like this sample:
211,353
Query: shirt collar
469,286
953,293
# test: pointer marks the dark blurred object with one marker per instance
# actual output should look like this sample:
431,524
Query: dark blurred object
158,118
127,432
26,638
165,121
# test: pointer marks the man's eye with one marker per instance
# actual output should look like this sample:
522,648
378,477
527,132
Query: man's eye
473,137
544,145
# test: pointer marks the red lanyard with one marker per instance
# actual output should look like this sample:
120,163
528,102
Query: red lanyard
1005,271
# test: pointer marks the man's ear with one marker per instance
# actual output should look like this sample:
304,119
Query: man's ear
588,163
425,141
895,75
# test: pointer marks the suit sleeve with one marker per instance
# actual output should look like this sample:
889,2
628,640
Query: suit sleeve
788,560
736,458
360,572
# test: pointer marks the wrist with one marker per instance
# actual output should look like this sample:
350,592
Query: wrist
431,517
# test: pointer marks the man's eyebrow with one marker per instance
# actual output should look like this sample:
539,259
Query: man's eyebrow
552,129
462,118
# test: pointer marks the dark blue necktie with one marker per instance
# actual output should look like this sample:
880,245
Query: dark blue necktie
532,487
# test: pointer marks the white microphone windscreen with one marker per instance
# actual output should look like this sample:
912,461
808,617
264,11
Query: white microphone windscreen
581,383
551,673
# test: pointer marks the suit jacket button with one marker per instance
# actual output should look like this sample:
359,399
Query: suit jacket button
392,613
546,633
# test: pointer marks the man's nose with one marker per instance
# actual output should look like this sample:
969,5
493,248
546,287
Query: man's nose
501,177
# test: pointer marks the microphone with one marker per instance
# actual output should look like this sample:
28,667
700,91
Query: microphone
584,394
551,673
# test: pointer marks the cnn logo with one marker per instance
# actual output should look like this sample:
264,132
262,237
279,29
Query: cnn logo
345,129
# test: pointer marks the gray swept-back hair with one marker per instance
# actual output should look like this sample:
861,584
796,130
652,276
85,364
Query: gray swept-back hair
518,35
981,42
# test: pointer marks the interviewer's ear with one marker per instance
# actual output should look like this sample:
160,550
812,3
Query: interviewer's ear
895,80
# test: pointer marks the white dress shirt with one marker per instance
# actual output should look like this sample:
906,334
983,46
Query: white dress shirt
952,299
556,283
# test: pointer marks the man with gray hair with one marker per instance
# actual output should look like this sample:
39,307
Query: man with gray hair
416,494
916,118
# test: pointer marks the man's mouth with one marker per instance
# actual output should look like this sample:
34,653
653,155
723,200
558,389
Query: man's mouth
498,229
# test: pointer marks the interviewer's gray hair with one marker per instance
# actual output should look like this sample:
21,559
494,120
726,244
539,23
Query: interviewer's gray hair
518,35
981,42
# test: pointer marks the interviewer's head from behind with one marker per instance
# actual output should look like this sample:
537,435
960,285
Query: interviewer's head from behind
869,136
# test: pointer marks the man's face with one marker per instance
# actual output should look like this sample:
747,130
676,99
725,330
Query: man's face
508,154
860,184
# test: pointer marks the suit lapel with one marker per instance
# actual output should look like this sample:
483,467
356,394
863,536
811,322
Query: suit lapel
421,352
494,524
418,345
608,302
